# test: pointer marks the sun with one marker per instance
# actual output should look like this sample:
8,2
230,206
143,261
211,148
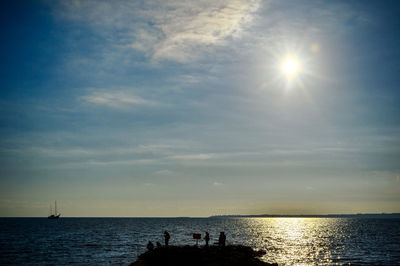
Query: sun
290,66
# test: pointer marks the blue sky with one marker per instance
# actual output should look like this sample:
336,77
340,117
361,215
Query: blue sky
181,108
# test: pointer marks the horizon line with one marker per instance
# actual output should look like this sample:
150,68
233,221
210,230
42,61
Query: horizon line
227,216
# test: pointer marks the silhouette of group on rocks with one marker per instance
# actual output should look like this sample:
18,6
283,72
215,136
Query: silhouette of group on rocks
221,240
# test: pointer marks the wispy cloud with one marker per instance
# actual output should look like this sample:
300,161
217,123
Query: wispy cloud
193,157
217,184
163,172
118,99
197,24
172,30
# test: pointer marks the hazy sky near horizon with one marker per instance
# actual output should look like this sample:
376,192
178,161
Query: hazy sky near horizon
181,108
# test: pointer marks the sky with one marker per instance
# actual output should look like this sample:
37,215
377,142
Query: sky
183,108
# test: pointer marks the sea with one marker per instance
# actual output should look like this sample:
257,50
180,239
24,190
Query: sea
119,241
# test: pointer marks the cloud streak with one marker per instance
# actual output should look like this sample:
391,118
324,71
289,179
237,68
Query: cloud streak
115,99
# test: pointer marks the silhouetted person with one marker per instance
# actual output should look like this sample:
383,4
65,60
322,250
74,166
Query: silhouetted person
166,237
222,239
158,244
150,246
207,238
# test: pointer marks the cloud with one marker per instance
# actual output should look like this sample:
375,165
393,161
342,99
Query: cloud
163,30
193,157
118,99
197,24
164,172
217,184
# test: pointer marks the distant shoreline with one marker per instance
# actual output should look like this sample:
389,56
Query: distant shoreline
358,215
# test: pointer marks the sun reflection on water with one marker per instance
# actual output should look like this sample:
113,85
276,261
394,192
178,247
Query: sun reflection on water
297,239
300,241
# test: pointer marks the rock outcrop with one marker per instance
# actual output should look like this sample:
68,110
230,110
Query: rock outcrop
201,256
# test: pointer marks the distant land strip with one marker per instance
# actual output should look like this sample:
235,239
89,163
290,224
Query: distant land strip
358,215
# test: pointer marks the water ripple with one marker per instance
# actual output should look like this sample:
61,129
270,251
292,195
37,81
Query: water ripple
118,241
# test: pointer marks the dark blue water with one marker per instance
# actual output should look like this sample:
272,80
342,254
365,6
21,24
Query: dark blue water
118,241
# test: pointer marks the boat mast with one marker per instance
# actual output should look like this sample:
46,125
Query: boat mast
55,207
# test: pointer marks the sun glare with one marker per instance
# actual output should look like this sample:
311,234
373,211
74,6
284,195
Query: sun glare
290,66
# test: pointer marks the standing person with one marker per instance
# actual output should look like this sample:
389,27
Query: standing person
166,237
222,239
207,238
150,246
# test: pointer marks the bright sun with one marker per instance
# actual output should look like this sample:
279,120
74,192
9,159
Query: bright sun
290,66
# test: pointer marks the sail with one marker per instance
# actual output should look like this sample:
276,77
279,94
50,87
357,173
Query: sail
54,215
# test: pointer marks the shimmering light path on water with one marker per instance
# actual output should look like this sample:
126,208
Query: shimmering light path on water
119,240
325,240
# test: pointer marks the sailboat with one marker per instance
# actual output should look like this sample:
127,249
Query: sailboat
54,215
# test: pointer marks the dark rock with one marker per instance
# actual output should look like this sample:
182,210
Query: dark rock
201,256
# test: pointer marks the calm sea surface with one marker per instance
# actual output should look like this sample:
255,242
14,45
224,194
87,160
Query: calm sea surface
118,241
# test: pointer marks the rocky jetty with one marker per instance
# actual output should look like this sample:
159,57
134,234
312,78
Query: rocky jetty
201,256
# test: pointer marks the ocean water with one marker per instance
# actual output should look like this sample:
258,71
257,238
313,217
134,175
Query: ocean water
118,241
